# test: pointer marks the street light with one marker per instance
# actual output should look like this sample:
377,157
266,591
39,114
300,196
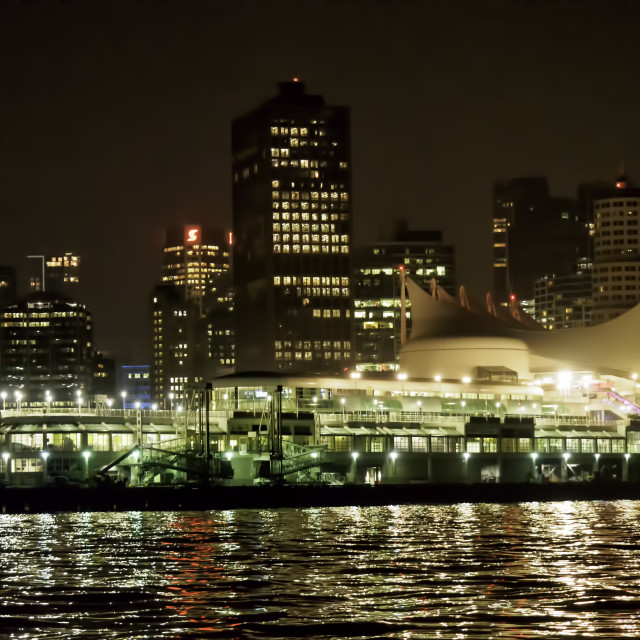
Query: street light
18,399
5,456
123,394
86,455
171,402
3,395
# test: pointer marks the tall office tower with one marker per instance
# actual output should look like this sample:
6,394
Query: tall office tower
424,257
533,235
46,345
193,338
565,301
194,258
60,274
292,235
179,345
616,264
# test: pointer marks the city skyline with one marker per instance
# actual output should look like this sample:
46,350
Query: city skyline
116,122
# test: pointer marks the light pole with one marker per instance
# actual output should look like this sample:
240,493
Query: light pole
18,399
3,395
5,457
171,403
45,456
47,397
86,455
109,404
123,394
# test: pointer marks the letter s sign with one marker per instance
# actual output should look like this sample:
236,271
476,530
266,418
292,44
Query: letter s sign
192,235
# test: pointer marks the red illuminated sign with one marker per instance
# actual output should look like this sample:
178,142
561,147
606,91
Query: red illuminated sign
192,235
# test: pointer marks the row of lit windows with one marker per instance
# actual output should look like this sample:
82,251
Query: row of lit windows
298,355
296,248
323,291
205,249
315,280
314,217
314,238
317,344
305,206
294,131
306,195
54,314
305,227
329,313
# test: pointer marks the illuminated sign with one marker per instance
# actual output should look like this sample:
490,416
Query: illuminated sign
192,235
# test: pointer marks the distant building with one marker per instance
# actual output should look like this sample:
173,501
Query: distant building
534,235
193,333
616,266
136,386
8,291
423,256
565,301
104,377
60,274
292,234
194,258
46,345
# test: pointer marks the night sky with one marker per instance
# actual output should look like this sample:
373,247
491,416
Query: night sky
115,120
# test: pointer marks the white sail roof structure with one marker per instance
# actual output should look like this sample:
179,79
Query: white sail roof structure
452,340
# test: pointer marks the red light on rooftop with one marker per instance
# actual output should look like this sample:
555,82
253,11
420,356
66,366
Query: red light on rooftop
620,185
512,297
401,267
296,79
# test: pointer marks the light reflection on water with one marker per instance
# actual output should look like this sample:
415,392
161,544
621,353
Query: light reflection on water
502,571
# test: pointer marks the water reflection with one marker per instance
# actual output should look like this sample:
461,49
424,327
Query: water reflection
458,571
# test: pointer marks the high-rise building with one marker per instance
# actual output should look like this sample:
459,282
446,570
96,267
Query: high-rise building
424,257
60,274
193,338
46,349
292,234
564,301
194,258
616,264
534,235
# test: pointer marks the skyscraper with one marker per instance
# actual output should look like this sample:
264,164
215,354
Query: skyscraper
292,234
55,274
534,235
193,337
46,349
194,258
616,264
424,257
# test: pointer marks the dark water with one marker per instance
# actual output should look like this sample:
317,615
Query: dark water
483,571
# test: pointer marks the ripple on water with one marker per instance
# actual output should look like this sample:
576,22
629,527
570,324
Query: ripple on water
456,571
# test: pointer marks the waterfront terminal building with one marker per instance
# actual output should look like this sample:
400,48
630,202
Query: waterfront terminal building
478,398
